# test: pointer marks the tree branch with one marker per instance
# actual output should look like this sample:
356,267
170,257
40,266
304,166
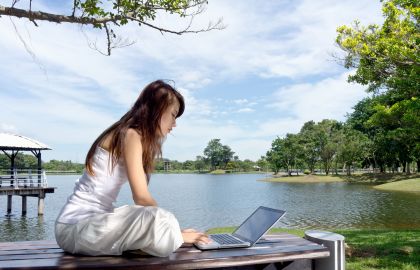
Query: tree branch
44,16
118,19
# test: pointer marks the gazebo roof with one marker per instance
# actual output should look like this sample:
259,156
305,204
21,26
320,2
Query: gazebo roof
10,141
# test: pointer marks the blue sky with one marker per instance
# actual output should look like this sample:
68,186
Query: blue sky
263,76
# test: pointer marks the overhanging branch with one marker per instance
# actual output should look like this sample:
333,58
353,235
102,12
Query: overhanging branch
45,16
113,41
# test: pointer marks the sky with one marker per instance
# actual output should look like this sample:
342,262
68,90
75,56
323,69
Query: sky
267,73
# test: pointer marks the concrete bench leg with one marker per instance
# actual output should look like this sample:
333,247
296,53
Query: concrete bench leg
335,243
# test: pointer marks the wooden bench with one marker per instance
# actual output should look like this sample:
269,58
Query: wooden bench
275,251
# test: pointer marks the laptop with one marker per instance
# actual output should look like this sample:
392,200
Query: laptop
250,231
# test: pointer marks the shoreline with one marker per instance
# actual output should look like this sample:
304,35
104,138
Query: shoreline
303,179
385,182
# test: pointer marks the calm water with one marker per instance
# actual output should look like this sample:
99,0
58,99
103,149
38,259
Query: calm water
206,201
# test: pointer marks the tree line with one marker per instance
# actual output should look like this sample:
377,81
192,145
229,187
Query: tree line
216,156
28,161
328,145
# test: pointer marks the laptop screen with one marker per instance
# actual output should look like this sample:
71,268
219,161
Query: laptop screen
258,224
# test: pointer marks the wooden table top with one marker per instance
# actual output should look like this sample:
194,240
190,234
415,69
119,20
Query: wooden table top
273,248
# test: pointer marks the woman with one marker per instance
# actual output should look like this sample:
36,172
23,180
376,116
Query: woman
88,223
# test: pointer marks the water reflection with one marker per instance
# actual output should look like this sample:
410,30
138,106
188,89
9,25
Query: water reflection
206,201
22,228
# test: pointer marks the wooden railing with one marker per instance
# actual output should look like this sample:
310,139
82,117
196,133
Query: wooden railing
23,178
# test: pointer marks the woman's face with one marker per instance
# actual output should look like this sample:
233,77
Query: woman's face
168,119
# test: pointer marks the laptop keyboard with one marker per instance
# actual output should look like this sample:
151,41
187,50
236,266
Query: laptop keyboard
225,239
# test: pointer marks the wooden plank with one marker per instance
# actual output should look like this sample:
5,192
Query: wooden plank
38,242
208,258
49,243
73,262
278,248
6,253
19,254
13,246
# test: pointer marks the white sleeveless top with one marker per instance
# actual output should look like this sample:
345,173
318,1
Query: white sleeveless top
95,194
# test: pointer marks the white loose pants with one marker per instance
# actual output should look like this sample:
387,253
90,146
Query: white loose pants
150,229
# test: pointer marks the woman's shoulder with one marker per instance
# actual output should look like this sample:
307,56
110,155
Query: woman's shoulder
132,137
132,134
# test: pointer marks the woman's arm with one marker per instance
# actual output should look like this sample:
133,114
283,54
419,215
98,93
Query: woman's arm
132,155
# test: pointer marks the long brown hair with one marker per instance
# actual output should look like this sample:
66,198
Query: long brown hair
144,117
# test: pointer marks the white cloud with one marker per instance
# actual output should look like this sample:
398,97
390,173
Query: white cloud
5,127
245,110
328,98
240,101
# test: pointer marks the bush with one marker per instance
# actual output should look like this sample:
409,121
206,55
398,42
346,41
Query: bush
306,171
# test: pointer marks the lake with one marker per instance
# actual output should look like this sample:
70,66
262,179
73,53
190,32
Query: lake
204,201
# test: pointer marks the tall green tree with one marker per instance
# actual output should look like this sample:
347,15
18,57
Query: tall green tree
274,157
263,163
326,140
285,153
381,150
387,60
387,56
353,147
310,149
402,124
217,154
200,163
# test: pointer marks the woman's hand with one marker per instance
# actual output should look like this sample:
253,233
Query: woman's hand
191,236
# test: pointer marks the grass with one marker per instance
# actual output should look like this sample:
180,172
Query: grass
384,181
411,185
218,172
372,249
378,178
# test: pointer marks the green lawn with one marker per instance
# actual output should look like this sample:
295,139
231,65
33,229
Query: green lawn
383,181
378,178
372,249
412,185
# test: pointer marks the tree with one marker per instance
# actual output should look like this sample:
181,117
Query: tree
4,162
246,165
274,157
352,148
401,122
380,149
218,154
200,163
387,60
159,164
263,163
111,14
386,56
310,150
326,140
284,153
188,165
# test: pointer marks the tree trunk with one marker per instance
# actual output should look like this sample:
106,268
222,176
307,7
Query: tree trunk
381,168
418,166
408,167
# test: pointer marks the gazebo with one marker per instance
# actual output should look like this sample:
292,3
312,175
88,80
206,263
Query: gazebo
18,183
